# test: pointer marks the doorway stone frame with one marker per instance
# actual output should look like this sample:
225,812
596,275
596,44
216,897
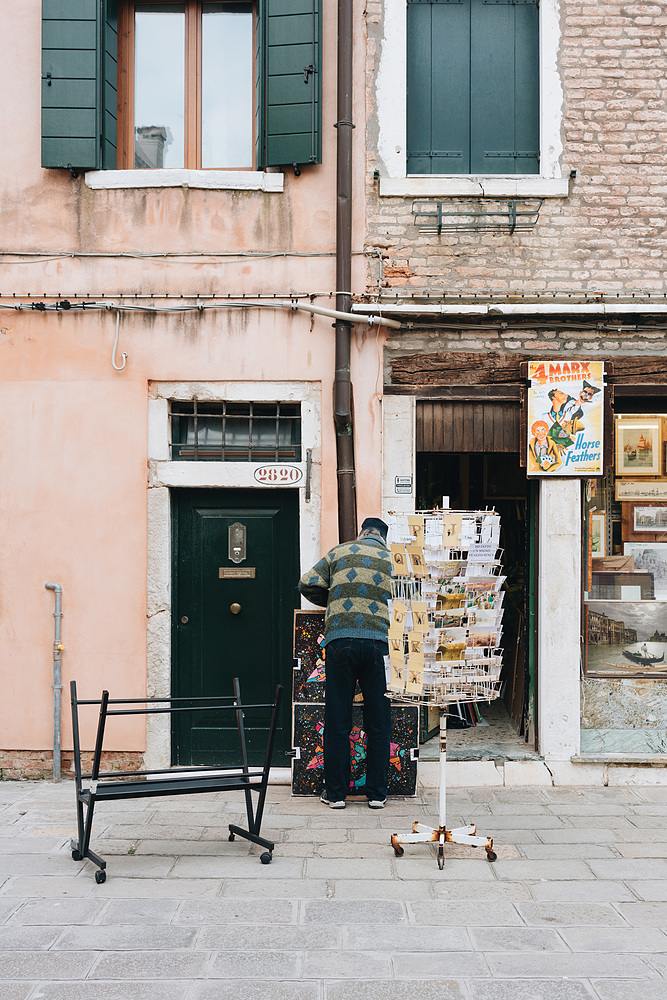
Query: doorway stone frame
164,475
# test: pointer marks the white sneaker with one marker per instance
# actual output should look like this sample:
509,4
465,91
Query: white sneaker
333,805
376,803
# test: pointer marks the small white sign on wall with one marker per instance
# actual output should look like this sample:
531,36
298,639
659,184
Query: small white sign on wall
403,484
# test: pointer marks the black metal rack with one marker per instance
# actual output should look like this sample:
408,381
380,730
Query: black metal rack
108,786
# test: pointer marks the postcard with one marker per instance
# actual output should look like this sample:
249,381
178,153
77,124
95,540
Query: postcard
398,615
399,563
419,616
416,528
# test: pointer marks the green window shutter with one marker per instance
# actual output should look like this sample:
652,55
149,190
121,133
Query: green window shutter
438,97
70,91
504,105
289,117
473,87
110,85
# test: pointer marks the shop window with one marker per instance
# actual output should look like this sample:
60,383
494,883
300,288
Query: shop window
235,432
625,593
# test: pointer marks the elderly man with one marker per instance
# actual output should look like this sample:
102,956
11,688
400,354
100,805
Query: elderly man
353,582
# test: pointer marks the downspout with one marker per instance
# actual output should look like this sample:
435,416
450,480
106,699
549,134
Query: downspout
57,686
345,471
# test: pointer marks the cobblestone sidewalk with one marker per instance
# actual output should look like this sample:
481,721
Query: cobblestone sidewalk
573,909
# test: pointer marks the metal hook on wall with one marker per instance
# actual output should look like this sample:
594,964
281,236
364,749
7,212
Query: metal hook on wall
118,368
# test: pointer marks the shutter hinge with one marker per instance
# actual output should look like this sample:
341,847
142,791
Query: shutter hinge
307,70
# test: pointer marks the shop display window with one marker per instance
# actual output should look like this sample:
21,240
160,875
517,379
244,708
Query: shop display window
625,555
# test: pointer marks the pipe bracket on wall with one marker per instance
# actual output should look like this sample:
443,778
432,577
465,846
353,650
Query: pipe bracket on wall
309,467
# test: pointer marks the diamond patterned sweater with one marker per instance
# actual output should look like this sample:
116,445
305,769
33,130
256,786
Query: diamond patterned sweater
352,582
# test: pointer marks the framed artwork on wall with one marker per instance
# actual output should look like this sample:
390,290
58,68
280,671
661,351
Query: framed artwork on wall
651,557
638,446
626,638
598,529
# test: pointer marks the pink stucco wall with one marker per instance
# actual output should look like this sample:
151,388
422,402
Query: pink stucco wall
73,473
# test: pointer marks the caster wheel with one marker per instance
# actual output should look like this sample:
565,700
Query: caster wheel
399,852
76,856
266,858
231,837
491,855
100,877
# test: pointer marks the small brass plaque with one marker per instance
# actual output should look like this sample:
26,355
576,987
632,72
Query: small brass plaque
237,572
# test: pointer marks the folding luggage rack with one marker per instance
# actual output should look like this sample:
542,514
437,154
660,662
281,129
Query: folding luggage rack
100,786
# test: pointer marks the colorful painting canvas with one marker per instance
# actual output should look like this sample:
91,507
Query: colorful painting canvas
308,743
309,656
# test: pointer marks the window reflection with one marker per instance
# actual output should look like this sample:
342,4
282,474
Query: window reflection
227,85
159,85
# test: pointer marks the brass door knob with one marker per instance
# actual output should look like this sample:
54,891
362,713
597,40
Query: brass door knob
235,608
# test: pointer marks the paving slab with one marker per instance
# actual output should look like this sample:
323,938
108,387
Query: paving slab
274,937
279,888
60,912
358,911
450,965
644,914
45,965
570,914
150,965
517,965
538,989
434,913
508,939
235,911
345,964
259,989
146,912
627,989
582,891
384,889
121,990
107,937
256,965
394,938
415,989
640,940
15,991
18,938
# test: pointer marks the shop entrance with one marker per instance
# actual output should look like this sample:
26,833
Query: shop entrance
488,474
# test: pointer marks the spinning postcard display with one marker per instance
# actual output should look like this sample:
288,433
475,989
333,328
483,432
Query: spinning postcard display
445,630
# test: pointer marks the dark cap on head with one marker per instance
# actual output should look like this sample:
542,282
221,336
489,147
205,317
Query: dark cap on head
375,524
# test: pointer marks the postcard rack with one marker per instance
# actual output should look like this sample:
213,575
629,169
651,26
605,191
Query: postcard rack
445,631
98,786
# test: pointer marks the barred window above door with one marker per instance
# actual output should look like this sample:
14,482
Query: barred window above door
235,431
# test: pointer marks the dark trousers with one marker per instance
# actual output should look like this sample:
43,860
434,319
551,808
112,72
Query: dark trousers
349,661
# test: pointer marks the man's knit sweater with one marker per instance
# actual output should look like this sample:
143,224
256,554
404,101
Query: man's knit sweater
352,582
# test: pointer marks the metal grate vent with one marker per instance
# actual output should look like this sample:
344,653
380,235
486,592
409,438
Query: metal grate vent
235,432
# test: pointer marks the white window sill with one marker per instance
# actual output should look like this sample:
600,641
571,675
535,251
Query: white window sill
474,186
217,180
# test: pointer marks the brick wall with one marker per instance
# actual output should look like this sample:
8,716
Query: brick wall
29,765
611,232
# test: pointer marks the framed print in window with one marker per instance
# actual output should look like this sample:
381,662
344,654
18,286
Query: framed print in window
650,557
638,446
626,638
598,531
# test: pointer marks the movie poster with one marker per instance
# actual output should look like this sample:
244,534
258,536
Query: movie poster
565,418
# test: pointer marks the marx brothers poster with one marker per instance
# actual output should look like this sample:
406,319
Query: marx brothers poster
565,418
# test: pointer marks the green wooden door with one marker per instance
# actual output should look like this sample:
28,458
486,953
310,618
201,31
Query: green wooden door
212,644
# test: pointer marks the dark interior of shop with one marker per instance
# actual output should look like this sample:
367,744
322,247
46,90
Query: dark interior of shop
475,481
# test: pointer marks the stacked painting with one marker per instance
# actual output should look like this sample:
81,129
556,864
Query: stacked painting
447,607
308,722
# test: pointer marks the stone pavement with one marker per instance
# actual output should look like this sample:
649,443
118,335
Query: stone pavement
573,909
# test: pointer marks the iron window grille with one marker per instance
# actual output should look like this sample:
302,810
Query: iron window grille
235,432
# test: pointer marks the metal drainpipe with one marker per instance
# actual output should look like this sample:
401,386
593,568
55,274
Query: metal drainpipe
347,496
57,686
